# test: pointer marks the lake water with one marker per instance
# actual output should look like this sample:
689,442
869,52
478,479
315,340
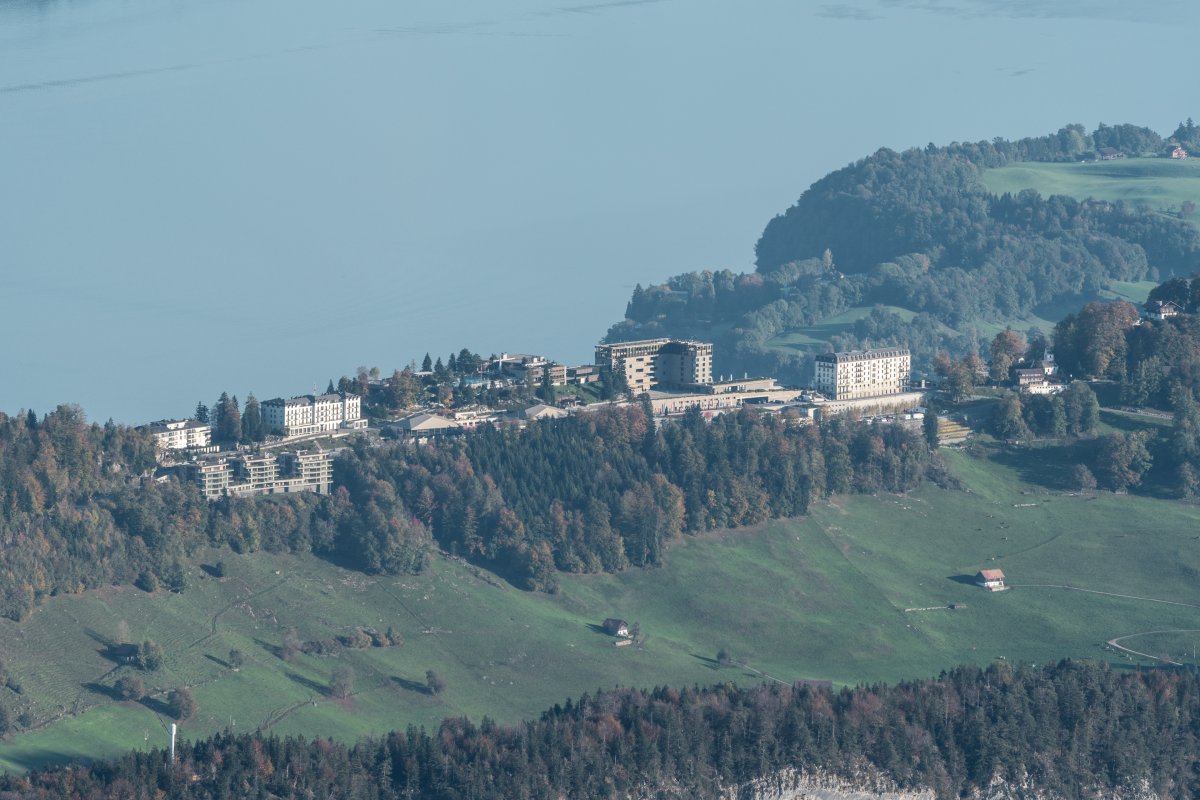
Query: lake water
258,195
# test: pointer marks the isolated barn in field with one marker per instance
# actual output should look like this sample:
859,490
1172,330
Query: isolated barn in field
616,627
990,579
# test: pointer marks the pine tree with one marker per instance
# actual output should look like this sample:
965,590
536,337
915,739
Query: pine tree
253,429
201,414
228,422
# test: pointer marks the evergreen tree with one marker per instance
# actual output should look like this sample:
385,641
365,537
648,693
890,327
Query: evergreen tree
929,427
253,428
427,364
201,413
547,391
228,420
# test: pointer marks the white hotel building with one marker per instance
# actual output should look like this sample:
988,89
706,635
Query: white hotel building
180,434
302,416
863,373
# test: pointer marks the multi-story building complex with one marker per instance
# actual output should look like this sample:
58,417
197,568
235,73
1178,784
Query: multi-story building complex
528,369
657,363
863,373
180,434
309,414
583,374
249,475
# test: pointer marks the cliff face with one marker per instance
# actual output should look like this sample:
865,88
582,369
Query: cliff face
795,785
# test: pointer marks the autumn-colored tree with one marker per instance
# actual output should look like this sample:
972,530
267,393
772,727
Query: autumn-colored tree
1007,348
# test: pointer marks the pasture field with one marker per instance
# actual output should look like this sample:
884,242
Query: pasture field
1160,184
821,332
858,591
811,338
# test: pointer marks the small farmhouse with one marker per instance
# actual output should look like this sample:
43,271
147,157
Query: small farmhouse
990,579
616,627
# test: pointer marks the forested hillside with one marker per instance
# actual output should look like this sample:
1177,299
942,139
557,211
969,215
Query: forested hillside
1154,364
599,491
1071,730
920,231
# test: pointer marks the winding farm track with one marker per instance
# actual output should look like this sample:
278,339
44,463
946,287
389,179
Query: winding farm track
1097,591
1115,642
212,622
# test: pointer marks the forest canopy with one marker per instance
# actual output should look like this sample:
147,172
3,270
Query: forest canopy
1070,730
919,230
80,507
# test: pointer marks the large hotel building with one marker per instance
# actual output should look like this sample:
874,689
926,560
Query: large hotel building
863,373
653,363
301,416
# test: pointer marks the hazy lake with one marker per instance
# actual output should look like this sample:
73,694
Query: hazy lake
209,195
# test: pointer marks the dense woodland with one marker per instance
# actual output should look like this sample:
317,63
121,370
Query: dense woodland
1153,364
1071,730
601,491
919,230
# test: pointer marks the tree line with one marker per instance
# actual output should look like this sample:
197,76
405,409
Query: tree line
1067,730
80,507
608,489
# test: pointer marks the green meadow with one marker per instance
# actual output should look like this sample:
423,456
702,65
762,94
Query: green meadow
812,337
1159,184
821,332
858,591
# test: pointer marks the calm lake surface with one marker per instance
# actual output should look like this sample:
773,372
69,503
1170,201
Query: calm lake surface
200,196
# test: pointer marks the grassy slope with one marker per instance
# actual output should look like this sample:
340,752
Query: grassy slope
1161,184
822,597
806,338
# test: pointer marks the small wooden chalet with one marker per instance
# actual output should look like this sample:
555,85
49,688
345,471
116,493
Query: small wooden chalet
990,579
616,627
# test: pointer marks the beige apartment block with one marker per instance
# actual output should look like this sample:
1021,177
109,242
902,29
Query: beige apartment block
249,475
657,363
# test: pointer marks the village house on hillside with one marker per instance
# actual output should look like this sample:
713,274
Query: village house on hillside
1161,309
990,579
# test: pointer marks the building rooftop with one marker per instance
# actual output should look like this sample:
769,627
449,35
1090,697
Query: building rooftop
173,425
305,399
856,355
